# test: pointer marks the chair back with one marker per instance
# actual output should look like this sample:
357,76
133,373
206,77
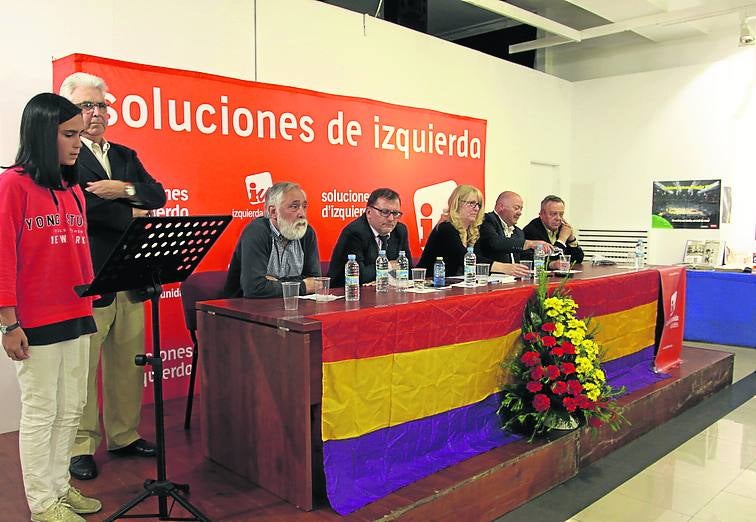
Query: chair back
201,286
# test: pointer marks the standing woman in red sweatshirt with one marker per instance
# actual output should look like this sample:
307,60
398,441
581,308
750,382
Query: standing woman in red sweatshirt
45,326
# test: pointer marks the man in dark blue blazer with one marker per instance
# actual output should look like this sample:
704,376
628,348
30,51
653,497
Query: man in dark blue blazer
501,240
378,227
117,188
550,226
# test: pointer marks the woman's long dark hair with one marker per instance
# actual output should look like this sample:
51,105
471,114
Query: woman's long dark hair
38,143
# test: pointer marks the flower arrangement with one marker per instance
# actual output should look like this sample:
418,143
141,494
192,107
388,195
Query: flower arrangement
558,380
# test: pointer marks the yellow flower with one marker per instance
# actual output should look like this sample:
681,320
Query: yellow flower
576,324
575,335
559,330
593,394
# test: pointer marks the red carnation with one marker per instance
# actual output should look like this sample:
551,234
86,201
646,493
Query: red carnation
552,372
541,402
570,404
568,348
557,352
559,387
537,373
574,387
567,368
530,359
548,327
548,341
595,422
584,403
534,386
530,337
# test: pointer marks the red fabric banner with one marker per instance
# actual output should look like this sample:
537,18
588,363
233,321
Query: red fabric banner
216,144
673,298
378,331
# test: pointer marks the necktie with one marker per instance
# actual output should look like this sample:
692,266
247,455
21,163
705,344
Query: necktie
384,241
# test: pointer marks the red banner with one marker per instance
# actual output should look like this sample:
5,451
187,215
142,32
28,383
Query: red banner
673,299
216,144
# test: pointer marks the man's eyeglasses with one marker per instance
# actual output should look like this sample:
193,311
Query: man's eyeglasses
297,206
90,106
386,212
473,204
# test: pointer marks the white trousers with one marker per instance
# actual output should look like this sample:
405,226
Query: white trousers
53,383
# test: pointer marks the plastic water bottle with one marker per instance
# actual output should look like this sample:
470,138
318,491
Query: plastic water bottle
539,260
470,260
352,279
639,250
381,272
402,273
439,273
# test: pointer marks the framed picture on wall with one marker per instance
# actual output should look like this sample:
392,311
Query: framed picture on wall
686,204
704,253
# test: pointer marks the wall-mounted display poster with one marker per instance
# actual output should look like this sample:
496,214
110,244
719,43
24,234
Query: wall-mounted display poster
686,204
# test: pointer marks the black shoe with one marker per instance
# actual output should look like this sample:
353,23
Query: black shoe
83,467
138,448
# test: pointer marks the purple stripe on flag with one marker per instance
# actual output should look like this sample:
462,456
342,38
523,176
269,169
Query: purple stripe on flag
634,371
364,469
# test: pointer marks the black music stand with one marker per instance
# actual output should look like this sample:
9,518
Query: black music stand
153,252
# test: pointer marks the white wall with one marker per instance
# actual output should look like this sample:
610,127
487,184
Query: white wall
214,36
694,122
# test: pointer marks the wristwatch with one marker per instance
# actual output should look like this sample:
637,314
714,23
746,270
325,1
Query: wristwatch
129,190
7,329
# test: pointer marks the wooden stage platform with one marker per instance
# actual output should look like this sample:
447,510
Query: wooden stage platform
481,488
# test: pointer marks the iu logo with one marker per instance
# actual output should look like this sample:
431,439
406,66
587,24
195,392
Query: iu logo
257,185
430,203
673,320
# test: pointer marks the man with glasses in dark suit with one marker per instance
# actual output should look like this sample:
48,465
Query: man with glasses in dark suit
377,229
117,189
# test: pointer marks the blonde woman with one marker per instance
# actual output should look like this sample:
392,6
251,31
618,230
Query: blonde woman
450,239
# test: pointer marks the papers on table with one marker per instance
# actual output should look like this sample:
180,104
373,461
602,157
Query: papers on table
501,279
321,298
424,290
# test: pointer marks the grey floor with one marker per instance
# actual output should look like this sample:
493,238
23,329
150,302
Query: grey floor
700,466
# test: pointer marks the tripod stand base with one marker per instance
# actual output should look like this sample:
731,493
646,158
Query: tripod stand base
161,489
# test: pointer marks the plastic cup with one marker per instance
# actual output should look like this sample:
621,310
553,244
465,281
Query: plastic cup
481,273
418,278
527,263
564,263
324,288
290,295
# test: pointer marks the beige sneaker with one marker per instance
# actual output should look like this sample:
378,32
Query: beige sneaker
78,503
58,512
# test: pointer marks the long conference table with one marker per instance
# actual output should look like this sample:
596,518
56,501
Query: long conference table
386,390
